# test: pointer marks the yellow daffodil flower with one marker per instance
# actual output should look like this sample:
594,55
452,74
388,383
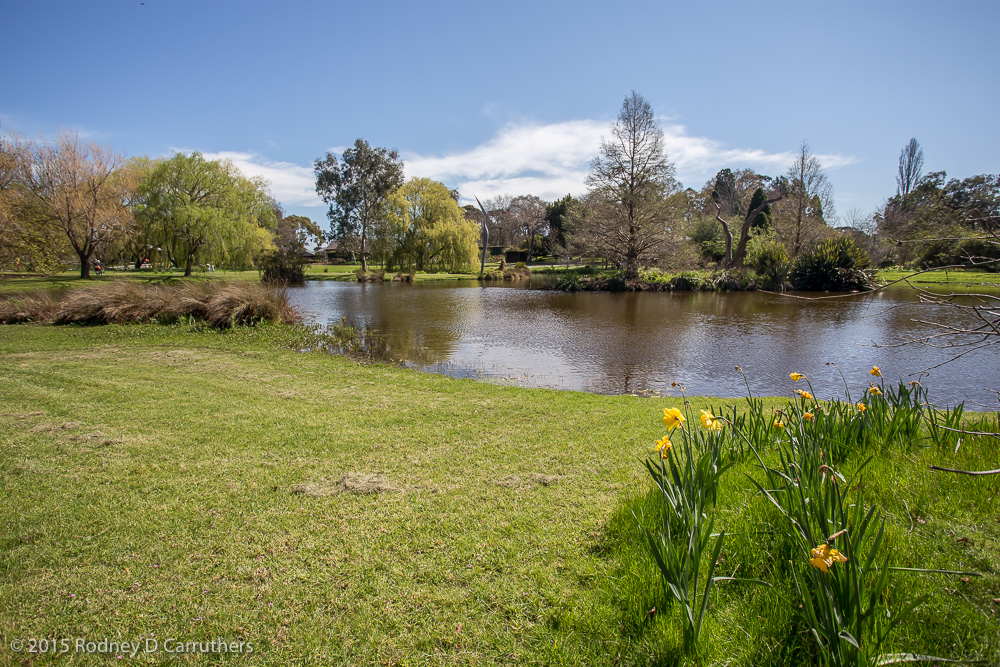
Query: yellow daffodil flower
797,376
664,445
779,424
804,394
808,416
875,391
862,407
673,418
876,372
709,421
824,556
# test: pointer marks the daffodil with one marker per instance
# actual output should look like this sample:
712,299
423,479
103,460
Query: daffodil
862,407
874,391
804,394
779,424
824,556
876,372
673,418
709,421
663,445
808,416
797,376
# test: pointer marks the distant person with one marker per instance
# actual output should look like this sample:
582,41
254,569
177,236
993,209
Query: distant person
98,268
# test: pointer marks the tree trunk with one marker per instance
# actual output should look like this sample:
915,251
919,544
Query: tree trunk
188,266
741,249
84,264
728,259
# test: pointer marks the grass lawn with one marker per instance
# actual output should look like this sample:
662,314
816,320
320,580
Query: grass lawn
173,482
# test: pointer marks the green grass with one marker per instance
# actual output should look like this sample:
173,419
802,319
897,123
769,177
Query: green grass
152,480
959,281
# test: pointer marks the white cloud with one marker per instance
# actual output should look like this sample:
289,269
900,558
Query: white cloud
544,160
552,160
291,184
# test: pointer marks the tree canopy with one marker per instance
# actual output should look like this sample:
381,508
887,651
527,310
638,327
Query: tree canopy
427,230
206,210
356,187
630,180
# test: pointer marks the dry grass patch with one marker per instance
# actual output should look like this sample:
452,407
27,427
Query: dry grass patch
51,428
357,483
518,482
221,305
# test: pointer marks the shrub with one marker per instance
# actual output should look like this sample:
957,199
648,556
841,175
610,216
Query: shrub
687,282
282,268
768,256
734,280
836,264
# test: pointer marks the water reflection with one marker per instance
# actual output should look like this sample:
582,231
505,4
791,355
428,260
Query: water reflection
642,342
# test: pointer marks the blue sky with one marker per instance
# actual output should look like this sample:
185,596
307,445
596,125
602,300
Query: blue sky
513,97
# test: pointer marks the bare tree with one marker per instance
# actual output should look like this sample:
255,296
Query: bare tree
71,186
630,181
911,163
502,225
810,195
528,213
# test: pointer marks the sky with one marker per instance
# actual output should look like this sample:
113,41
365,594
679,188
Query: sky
514,97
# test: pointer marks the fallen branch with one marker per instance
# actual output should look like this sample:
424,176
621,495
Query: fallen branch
966,472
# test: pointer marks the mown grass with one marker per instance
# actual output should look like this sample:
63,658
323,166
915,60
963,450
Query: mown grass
187,483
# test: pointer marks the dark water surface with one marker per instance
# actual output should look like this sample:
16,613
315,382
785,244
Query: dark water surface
642,342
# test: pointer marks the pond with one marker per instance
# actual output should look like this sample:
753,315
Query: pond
623,343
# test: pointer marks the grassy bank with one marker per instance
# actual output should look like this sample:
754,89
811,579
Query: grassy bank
179,483
9,283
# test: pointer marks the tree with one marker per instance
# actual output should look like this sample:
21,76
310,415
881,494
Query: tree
500,220
557,218
528,212
728,200
69,186
207,210
911,162
428,229
630,180
944,221
810,196
355,188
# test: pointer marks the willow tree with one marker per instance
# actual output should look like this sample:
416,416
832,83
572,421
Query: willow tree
630,181
428,230
208,211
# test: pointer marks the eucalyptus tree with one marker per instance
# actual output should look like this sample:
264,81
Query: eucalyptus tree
356,187
630,181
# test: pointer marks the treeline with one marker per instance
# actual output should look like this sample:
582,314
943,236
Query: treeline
636,215
72,201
